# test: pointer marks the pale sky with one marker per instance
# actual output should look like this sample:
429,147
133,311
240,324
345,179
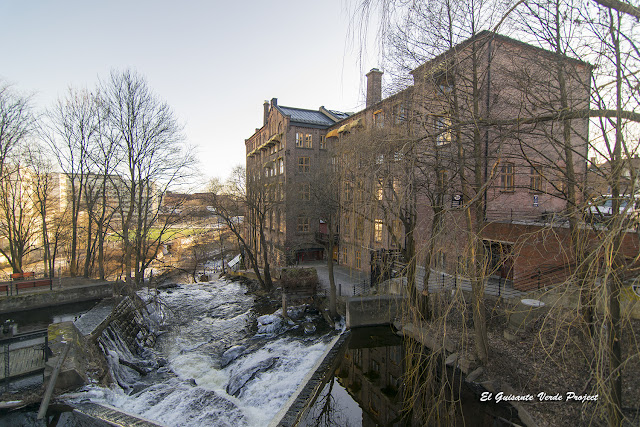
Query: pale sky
214,62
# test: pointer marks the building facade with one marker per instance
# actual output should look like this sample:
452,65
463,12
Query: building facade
281,156
461,151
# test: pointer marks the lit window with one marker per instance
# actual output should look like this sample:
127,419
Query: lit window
536,179
303,164
443,130
507,177
299,139
308,141
378,231
303,224
378,119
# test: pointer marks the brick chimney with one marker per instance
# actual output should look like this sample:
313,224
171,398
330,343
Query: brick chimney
374,86
266,112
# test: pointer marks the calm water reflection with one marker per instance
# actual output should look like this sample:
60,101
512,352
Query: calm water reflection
367,389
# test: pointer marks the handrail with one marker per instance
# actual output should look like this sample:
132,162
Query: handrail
24,337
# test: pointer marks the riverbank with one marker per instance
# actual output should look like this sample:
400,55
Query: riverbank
548,366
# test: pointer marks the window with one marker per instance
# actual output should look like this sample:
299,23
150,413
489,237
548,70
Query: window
358,259
536,179
377,235
305,192
380,190
299,139
379,159
348,192
308,141
323,143
345,258
443,130
359,228
281,165
442,180
303,164
399,114
347,225
398,156
281,190
303,224
507,177
278,223
378,119
357,357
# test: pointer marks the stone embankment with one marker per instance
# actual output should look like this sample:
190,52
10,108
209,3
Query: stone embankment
65,291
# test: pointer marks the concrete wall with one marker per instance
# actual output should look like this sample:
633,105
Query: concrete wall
55,297
371,311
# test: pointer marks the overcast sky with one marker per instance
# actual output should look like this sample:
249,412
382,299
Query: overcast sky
214,62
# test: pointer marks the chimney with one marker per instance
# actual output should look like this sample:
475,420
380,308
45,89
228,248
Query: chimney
266,112
274,102
374,87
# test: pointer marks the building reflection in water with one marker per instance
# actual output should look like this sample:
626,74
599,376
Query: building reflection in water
367,389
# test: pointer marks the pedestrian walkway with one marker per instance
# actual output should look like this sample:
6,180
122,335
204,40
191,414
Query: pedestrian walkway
350,282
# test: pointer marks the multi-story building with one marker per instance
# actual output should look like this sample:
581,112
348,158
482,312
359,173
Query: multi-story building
412,162
288,147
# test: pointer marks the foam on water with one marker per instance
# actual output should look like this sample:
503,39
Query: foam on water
202,322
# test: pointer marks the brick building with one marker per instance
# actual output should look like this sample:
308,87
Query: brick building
450,138
288,147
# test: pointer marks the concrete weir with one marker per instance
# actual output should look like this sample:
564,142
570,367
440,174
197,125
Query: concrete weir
374,310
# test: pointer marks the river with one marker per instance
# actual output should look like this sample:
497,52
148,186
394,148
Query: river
216,362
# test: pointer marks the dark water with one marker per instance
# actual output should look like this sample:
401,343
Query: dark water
33,320
367,388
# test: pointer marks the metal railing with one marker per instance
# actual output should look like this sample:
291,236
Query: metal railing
21,358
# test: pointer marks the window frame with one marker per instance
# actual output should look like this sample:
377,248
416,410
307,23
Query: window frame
302,224
507,177
304,164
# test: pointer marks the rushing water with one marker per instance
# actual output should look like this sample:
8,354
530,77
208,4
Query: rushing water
216,361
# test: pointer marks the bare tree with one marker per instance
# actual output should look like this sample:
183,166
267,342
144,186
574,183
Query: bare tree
321,189
19,223
236,198
70,131
152,158
16,121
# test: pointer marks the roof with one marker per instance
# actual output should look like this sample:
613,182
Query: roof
310,117
339,114
485,36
